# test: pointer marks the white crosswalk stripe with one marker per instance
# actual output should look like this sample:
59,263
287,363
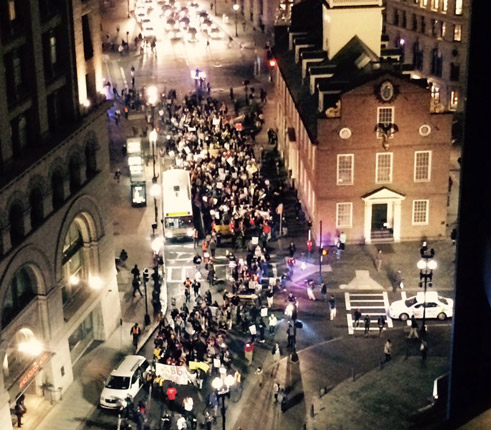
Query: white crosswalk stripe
371,304
180,273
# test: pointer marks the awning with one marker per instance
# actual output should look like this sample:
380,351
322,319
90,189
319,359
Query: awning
25,379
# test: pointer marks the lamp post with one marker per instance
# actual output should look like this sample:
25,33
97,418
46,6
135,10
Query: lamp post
222,387
236,8
145,281
426,266
155,192
128,3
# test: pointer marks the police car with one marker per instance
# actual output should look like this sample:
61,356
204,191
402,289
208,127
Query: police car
436,307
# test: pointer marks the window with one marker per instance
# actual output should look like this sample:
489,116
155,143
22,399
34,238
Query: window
420,212
19,294
345,169
396,17
435,94
12,14
436,62
344,215
434,28
404,19
435,4
424,3
444,6
414,22
454,72
444,29
422,166
52,50
385,117
454,99
458,7
422,27
457,33
383,168
16,220
417,56
87,38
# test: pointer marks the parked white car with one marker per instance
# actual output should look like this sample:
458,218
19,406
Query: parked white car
436,307
126,380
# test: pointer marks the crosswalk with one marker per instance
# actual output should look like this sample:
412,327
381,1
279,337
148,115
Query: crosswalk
371,304
180,273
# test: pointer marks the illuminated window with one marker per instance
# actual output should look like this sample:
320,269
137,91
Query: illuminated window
12,14
344,215
457,32
52,50
458,7
454,99
444,6
385,117
424,3
422,166
383,168
435,4
420,212
345,169
444,29
435,94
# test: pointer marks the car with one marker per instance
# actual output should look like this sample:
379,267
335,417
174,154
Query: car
126,380
436,307
215,33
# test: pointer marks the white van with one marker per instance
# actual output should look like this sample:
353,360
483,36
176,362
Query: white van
126,380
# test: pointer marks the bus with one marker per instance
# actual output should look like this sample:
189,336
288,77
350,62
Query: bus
177,203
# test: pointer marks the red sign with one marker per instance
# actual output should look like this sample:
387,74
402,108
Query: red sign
34,369
238,126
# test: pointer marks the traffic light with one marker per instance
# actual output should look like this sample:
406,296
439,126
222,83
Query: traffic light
324,252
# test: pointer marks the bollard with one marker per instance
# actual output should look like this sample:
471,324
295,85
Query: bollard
312,412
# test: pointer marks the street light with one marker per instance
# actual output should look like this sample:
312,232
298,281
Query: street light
236,7
222,387
426,266
152,138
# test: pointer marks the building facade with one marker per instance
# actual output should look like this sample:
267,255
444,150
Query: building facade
365,150
434,35
58,289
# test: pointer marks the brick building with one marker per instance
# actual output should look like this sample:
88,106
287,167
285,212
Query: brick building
434,35
364,149
58,289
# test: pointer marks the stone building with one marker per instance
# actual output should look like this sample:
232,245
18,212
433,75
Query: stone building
58,289
434,36
366,151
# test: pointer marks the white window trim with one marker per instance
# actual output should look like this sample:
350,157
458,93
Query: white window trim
429,166
391,167
350,215
352,169
426,222
379,135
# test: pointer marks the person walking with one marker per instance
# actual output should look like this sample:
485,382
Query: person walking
195,237
272,323
424,349
323,291
136,287
291,249
276,351
135,272
388,350
381,325
378,260
310,289
413,332
276,390
19,411
367,325
135,332
357,318
171,396
249,352
332,308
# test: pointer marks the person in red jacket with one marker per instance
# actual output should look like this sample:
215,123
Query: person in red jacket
171,396
249,352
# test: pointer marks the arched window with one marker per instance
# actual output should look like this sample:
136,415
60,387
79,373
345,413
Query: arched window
74,169
16,219
36,203
57,189
91,160
19,294
73,262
